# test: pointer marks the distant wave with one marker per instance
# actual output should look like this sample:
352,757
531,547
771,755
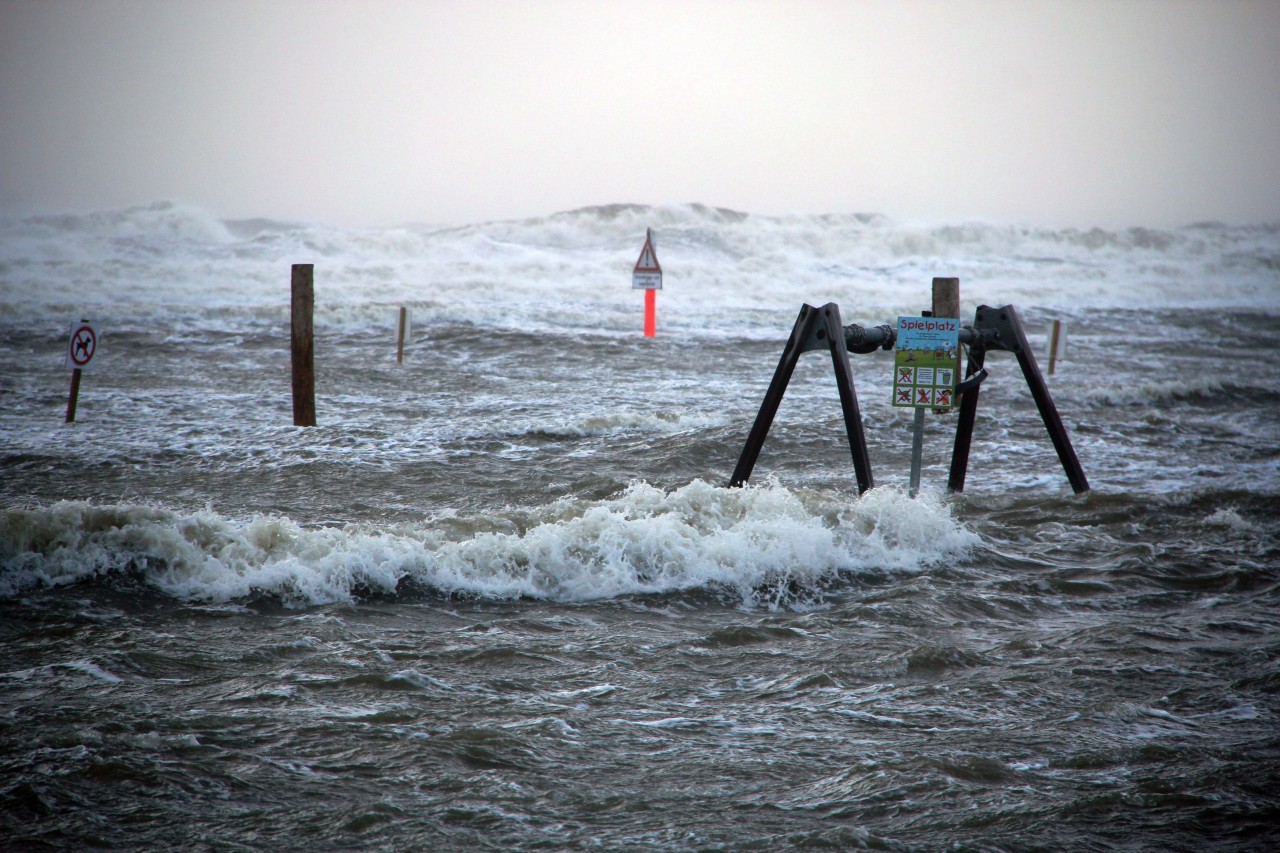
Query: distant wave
571,270
767,545
1206,388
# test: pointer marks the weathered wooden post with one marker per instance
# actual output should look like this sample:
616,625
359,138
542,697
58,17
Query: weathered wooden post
302,347
1055,339
404,321
946,297
946,303
74,396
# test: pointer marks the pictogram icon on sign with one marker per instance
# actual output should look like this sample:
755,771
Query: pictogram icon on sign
84,343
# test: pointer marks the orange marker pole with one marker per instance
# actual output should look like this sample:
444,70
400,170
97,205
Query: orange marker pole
650,313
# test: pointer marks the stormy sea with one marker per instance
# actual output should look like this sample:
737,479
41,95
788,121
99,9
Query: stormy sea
501,597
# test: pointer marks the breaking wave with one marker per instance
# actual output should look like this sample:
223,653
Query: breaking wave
767,545
571,270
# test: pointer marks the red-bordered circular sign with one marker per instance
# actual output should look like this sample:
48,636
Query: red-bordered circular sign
84,342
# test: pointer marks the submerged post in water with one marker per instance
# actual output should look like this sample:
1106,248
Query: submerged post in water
302,350
404,319
74,396
1055,338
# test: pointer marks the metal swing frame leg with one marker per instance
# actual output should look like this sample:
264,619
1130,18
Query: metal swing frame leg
1001,328
815,328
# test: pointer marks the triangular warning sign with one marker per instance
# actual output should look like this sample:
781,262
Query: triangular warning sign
648,261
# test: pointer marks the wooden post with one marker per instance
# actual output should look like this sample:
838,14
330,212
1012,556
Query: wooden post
74,396
302,347
1054,337
946,297
400,335
946,303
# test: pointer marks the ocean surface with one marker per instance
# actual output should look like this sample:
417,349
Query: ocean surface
500,597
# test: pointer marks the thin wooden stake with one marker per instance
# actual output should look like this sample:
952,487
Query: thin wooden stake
404,312
302,345
74,396
1053,344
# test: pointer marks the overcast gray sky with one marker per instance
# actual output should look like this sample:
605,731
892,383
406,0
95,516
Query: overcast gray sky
1055,112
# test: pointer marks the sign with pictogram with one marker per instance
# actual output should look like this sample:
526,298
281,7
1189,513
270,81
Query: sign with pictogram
83,346
647,274
925,362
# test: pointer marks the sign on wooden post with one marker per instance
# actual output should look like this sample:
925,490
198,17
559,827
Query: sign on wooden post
926,356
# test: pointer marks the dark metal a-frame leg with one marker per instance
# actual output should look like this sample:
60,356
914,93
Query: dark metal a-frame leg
1001,328
815,328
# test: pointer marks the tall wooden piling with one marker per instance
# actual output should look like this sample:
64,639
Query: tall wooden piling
404,321
302,349
1055,337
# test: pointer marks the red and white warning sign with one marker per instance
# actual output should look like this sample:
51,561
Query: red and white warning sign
83,346
647,274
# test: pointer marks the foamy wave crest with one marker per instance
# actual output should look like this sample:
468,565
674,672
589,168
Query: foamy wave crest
595,425
768,545
725,270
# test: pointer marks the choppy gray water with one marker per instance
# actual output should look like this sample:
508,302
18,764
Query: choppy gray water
499,599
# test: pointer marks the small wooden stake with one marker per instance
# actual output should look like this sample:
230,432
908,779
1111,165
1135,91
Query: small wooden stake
74,396
404,312
1053,344
302,347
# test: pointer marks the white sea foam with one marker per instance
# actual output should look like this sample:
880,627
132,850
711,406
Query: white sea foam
724,270
769,545
1156,391
1230,518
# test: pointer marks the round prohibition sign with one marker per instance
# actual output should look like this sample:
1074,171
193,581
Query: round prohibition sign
83,344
